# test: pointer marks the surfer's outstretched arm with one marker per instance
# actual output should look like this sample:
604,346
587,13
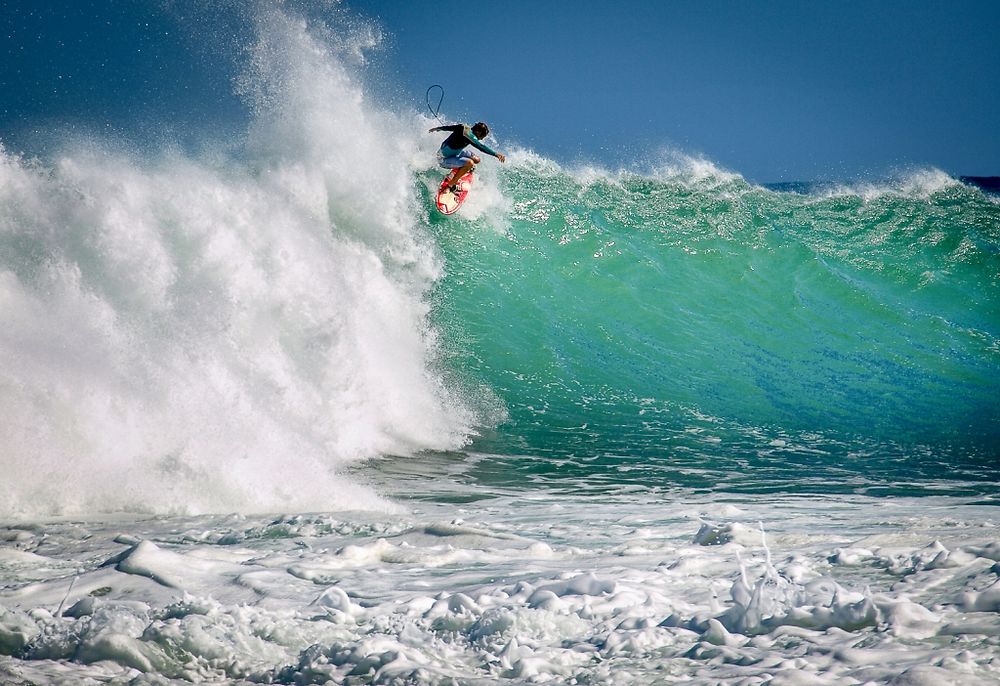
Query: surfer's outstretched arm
485,148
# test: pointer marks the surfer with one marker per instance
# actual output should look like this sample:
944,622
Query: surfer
453,154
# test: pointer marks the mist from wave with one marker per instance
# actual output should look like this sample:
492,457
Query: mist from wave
219,331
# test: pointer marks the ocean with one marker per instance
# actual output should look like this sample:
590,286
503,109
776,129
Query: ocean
267,417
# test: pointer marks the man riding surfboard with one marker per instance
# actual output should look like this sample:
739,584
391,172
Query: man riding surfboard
453,154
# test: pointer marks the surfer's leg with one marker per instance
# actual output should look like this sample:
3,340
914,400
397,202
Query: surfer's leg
471,161
457,176
455,163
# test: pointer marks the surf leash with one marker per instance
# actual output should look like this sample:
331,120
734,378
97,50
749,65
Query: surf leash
435,110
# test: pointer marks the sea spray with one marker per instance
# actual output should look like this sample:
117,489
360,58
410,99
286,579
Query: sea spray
212,334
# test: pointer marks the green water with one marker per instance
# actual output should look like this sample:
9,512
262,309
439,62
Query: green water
709,332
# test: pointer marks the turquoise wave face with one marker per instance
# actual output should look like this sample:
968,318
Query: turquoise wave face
713,332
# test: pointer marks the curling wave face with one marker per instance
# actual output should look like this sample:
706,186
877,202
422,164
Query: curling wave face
688,319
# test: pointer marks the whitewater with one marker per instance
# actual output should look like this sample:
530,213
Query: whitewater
267,417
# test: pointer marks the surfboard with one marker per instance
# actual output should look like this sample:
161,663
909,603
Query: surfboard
448,202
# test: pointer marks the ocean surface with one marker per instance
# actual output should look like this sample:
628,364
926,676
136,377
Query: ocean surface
267,417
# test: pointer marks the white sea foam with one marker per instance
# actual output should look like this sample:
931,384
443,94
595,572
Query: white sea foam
665,165
186,334
695,171
918,184
619,591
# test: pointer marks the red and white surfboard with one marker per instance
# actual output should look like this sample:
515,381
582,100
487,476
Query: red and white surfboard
448,202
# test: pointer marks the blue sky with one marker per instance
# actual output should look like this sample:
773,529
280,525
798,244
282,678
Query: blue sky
774,90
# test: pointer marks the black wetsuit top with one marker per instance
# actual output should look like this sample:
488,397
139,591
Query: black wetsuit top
461,136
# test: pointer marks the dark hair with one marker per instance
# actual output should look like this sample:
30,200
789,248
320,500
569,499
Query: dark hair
481,126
